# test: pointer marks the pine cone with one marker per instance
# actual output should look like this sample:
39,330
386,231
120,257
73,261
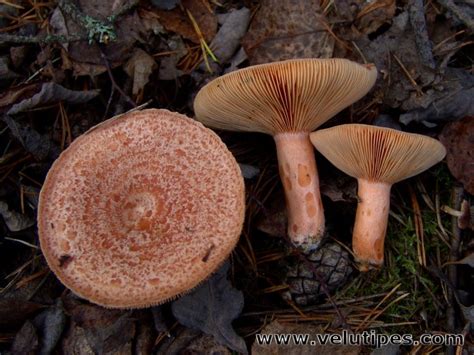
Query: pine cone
333,266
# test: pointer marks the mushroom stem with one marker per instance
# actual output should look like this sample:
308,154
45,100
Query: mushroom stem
298,173
371,223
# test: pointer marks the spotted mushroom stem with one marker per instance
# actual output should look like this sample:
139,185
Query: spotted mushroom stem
300,180
371,223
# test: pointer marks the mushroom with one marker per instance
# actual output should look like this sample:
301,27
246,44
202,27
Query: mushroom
378,157
140,209
288,100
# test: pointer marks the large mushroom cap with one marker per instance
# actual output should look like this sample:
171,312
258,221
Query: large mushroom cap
289,96
377,153
140,209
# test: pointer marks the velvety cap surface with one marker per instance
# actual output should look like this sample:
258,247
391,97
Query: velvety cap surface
140,209
377,153
289,96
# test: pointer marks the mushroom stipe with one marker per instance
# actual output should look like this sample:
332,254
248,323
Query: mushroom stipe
140,209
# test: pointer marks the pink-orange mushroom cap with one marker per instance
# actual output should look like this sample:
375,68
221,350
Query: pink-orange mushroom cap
378,157
288,100
140,209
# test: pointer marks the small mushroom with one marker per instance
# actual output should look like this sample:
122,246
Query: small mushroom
140,209
378,157
288,100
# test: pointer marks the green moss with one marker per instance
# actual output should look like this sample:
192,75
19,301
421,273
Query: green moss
402,267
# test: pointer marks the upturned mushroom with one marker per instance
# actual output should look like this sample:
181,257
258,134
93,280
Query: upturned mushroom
288,100
140,209
378,157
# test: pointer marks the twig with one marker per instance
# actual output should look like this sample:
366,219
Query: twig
454,256
22,242
458,12
204,46
378,305
438,215
407,73
418,24
418,220
43,39
114,83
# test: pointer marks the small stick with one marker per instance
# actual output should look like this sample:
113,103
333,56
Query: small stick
114,83
43,39
418,219
407,73
454,256
378,305
458,12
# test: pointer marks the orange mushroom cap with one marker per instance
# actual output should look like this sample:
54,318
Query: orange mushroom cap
140,209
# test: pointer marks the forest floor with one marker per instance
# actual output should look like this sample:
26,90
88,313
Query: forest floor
68,65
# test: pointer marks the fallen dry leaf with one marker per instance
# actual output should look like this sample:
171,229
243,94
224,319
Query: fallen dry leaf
97,329
204,17
16,94
449,99
52,92
50,325
139,67
288,29
13,312
15,221
227,40
211,308
458,138
178,21
26,340
374,14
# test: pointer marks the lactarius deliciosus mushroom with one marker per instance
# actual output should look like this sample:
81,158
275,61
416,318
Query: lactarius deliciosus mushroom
140,209
378,157
288,100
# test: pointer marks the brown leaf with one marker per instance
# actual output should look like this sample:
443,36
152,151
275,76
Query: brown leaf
374,14
13,312
458,138
287,29
177,20
211,308
52,92
204,17
97,330
139,67
26,340
17,93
